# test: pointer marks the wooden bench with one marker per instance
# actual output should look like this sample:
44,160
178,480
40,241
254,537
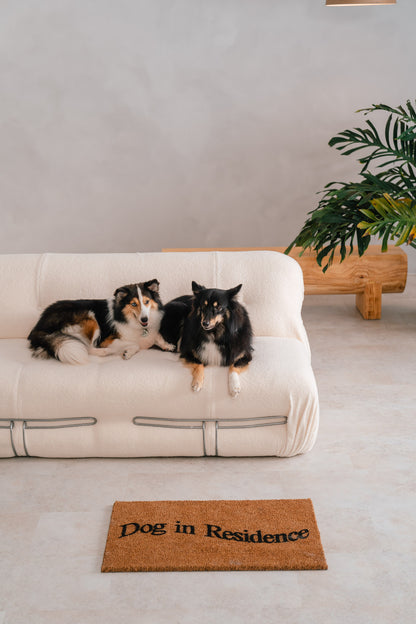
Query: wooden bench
367,277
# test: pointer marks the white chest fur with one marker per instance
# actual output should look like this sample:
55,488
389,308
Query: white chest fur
144,337
210,354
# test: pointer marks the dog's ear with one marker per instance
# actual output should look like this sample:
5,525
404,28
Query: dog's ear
232,292
197,288
121,292
152,285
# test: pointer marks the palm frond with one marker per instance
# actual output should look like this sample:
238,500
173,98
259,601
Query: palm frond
390,219
396,146
386,197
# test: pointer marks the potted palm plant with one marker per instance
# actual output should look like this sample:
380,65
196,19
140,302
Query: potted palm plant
381,203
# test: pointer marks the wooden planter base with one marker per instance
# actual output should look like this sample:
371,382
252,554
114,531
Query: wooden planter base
367,276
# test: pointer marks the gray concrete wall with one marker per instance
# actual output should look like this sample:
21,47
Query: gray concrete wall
142,124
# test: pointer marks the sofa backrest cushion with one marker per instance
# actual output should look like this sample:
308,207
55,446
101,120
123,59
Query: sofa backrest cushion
272,283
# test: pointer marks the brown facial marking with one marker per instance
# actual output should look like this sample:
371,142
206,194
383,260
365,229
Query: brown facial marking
153,304
214,321
215,304
132,311
217,320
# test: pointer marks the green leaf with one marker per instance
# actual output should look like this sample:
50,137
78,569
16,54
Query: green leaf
405,235
385,198
385,243
367,213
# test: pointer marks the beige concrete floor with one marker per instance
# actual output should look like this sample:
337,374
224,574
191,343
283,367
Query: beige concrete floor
54,514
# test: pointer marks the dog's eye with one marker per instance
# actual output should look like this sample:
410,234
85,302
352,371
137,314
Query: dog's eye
146,301
133,304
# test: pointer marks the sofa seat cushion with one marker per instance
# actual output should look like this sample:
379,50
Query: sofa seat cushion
145,406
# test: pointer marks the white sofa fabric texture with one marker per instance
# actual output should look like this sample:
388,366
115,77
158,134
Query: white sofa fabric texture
145,407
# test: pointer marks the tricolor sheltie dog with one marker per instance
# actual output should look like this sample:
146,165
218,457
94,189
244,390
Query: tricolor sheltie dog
210,328
72,330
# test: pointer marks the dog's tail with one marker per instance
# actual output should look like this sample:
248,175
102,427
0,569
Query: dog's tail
66,349
72,351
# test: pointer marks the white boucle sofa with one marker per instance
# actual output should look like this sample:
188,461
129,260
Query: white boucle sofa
145,406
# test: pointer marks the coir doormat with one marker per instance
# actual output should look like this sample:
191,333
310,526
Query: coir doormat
213,535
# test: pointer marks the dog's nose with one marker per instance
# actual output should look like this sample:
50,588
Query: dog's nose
205,324
144,319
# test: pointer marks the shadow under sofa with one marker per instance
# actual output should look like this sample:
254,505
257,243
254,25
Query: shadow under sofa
144,407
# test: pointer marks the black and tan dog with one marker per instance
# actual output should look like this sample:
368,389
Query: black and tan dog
71,330
210,328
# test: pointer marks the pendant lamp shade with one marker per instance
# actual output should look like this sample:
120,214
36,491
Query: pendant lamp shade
357,2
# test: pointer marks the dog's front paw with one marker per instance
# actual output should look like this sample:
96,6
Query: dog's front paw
162,344
197,377
196,385
129,352
234,385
